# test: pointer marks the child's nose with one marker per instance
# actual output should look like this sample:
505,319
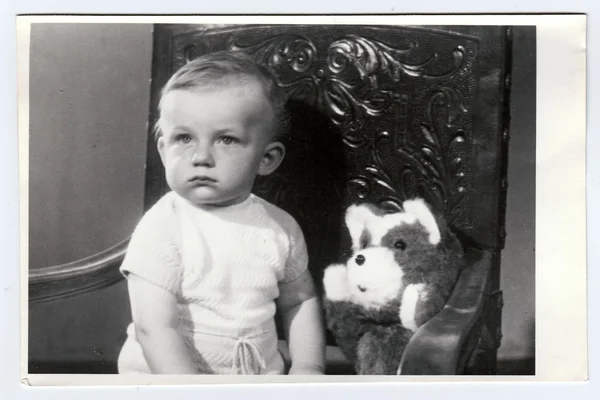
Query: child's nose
203,157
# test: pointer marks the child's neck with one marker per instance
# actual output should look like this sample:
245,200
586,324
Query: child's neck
240,202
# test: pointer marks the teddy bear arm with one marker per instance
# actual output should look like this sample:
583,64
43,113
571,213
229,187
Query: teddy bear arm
335,283
369,356
348,324
380,350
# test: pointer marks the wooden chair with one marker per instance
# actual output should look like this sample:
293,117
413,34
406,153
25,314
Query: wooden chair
379,114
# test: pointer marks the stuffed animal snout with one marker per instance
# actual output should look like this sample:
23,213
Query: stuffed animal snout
374,277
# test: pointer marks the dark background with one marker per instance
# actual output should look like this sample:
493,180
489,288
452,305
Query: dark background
89,109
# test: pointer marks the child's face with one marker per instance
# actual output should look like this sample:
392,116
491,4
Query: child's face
215,142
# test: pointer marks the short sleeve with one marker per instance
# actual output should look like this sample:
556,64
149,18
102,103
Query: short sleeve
297,262
153,255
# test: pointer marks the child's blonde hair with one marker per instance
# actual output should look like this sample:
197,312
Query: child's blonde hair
224,68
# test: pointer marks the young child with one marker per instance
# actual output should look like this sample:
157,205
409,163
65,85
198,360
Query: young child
210,263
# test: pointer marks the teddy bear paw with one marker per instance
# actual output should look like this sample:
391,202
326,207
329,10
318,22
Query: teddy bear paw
411,296
335,283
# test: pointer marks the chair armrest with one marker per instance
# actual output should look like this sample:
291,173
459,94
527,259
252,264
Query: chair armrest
94,272
437,346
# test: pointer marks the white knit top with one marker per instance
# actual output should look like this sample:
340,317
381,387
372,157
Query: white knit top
225,267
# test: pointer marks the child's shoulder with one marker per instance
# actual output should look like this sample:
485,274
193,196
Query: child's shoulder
278,215
160,215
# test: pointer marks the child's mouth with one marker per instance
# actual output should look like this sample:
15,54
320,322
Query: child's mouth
202,180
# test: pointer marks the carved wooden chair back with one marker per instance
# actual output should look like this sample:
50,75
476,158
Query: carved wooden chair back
378,114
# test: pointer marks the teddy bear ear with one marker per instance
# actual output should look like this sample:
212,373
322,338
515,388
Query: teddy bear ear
357,217
424,215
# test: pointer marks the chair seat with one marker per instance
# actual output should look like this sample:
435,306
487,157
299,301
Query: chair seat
335,362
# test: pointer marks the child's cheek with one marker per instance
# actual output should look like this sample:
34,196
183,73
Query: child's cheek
176,160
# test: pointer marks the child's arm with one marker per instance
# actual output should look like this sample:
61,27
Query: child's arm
154,316
303,325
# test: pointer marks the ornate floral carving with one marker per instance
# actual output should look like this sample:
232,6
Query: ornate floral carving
443,150
377,175
345,80
349,103
435,167
294,51
371,56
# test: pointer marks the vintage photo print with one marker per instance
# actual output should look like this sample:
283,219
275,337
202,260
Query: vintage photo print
348,199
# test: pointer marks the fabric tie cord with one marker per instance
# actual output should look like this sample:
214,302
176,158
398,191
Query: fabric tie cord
247,359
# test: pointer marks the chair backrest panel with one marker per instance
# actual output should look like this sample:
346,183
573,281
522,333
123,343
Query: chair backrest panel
379,114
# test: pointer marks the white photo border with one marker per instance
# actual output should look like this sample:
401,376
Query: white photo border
552,94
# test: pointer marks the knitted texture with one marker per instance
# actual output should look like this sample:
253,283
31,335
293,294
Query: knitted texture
225,267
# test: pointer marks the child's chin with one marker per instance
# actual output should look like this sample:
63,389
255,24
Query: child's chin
213,201
203,195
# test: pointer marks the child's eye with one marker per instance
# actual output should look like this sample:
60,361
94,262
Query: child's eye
183,138
228,140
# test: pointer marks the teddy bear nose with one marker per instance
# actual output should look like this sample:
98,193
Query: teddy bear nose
362,288
360,260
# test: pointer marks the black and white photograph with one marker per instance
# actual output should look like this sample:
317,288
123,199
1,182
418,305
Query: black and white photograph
264,198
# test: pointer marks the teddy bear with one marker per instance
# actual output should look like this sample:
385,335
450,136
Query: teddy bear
402,271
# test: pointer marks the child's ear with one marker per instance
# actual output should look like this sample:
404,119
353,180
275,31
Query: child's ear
160,145
273,156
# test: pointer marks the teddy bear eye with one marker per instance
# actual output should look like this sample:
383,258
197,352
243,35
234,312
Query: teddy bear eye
400,244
